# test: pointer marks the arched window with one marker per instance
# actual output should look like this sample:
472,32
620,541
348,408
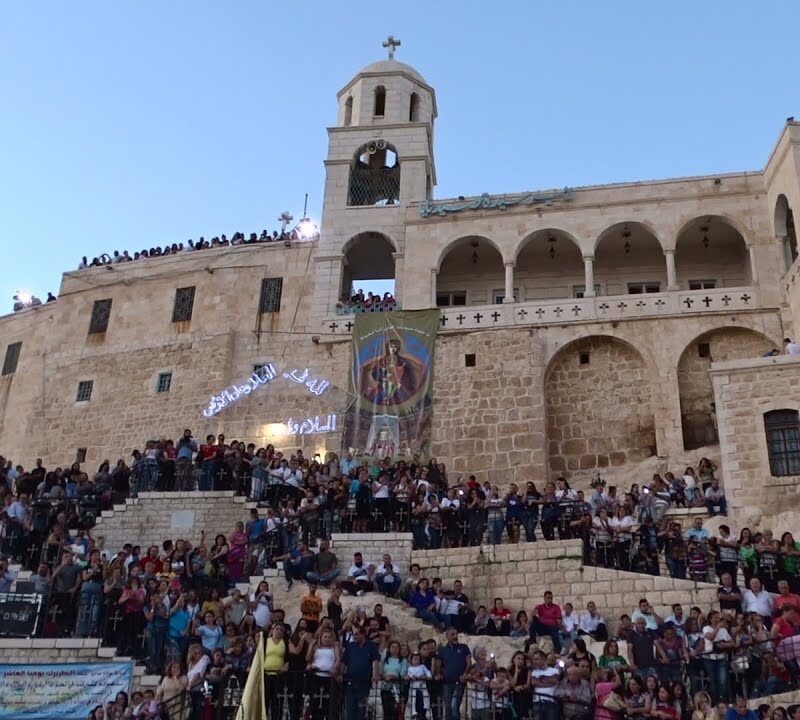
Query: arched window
348,112
413,108
374,175
380,101
782,428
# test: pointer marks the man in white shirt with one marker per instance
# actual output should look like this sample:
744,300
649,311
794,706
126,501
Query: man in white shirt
387,577
759,601
790,347
645,611
717,640
359,577
544,680
592,624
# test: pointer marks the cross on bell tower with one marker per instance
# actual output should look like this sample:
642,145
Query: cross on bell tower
391,44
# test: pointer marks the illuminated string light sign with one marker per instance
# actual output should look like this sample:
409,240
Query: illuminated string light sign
311,426
235,392
230,395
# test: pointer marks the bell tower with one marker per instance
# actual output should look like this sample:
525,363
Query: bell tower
380,158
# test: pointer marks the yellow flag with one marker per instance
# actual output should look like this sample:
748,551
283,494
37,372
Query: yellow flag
253,706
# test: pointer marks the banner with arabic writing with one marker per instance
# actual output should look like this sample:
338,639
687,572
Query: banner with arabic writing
392,381
66,691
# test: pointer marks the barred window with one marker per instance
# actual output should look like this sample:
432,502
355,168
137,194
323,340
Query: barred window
782,428
12,358
271,289
84,391
101,311
164,382
184,302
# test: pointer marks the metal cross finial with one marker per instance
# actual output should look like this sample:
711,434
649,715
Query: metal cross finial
392,45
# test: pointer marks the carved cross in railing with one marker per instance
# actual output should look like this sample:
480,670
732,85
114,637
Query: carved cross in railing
333,326
707,301
576,310
688,302
659,303
321,696
460,319
726,300
745,298
558,311
349,325
539,313
115,620
522,313
285,696
443,320
496,315
622,305
478,318
641,304
604,306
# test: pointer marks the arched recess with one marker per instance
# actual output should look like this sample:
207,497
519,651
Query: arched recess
549,264
698,414
784,228
368,265
374,175
711,252
599,406
629,259
348,111
471,272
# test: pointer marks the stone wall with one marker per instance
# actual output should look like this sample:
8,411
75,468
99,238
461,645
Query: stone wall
372,546
694,383
489,419
521,573
744,391
599,406
154,517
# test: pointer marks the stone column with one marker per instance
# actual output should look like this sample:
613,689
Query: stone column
509,292
433,287
672,283
751,249
588,276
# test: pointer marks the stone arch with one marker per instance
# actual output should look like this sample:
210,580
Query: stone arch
348,111
548,263
711,251
413,107
599,406
367,257
629,258
379,109
696,394
784,228
469,269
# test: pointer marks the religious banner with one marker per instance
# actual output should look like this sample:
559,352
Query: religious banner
64,691
392,381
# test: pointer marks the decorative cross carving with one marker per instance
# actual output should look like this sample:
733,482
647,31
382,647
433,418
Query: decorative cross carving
622,305
576,310
54,612
522,313
478,318
641,304
333,326
558,311
321,696
460,319
659,302
391,45
285,696
726,299
539,313
707,301
349,325
32,550
443,320
745,298
496,315
401,514
603,306
115,620
688,302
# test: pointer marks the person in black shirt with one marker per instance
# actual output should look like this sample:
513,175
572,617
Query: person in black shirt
729,594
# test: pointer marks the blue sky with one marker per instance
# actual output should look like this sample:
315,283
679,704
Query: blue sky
126,125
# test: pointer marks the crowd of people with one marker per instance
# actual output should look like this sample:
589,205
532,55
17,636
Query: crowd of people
304,231
176,607
361,302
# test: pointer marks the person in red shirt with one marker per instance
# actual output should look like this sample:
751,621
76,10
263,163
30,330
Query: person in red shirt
783,627
500,621
547,621
786,597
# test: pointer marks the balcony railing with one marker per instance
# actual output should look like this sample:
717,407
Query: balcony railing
580,310
355,308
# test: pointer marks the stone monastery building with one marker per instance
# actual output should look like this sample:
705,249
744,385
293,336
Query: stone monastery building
582,331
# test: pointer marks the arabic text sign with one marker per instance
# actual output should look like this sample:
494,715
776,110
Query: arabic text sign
67,691
311,426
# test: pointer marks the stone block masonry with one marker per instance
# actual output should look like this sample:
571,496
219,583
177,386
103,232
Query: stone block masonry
156,516
521,573
373,546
